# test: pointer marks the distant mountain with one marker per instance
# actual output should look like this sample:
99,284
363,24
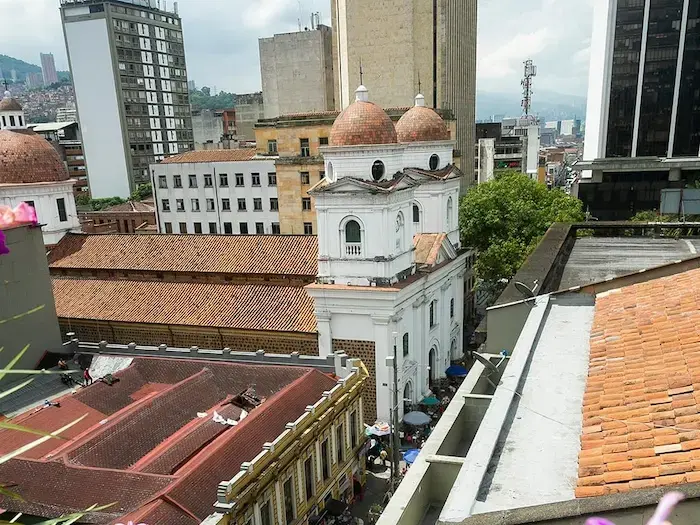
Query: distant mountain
547,105
7,64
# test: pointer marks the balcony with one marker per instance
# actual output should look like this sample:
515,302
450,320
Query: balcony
353,249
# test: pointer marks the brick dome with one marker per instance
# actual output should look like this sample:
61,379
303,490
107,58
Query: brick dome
10,104
26,157
421,124
362,122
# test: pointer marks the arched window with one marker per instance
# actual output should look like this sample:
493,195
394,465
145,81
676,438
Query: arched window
20,120
353,238
434,162
399,232
12,120
377,170
329,172
449,214
405,344
416,213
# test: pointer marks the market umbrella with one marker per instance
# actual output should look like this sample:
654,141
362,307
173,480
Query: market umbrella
410,455
430,401
416,419
379,429
335,507
456,371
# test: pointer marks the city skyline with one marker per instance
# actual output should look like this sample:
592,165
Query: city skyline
508,34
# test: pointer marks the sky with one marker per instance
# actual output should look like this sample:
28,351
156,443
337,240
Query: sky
222,49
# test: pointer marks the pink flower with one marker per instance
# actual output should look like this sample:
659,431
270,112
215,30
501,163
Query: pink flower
3,248
660,517
7,216
25,213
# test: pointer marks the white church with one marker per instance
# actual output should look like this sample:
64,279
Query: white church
391,270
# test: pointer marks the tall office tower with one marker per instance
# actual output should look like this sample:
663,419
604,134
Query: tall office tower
643,104
127,59
404,43
297,71
48,68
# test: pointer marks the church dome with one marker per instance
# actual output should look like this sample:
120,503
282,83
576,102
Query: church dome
362,122
9,104
421,124
26,157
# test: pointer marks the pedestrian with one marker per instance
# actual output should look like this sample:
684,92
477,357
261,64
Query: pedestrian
87,377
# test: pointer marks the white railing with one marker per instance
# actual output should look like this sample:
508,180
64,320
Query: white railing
353,249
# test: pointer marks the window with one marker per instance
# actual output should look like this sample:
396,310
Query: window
274,204
12,120
256,179
177,181
377,170
449,213
240,180
416,213
308,228
325,466
304,147
321,175
228,228
405,344
257,204
306,203
353,429
210,204
309,482
323,141
272,179
168,227
183,227
243,228
304,177
259,228
432,313
399,232
266,513
193,181
288,490
352,231
162,181
225,204
165,204
207,181
180,204
223,180
272,147
241,205
212,227
61,205
275,228
198,227
452,308
195,204
339,443
30,203
434,162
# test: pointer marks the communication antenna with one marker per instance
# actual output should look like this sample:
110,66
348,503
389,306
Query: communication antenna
300,13
529,73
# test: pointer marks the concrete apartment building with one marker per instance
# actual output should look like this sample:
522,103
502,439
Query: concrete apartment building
127,59
642,131
403,42
297,72
249,109
48,68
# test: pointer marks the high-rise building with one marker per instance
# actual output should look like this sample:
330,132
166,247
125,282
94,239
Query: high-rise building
48,68
127,59
643,111
406,46
297,72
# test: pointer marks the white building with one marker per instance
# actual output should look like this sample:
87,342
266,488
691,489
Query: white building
217,191
32,171
127,59
391,267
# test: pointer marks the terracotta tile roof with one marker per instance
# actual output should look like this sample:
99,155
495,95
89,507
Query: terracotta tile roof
238,306
10,104
421,123
641,411
427,247
362,123
216,155
26,157
233,254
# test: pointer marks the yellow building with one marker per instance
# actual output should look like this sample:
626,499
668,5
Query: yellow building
296,139
316,459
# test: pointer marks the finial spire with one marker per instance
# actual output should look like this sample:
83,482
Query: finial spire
419,87
361,82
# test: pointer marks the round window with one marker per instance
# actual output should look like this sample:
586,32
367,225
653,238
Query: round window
377,170
434,162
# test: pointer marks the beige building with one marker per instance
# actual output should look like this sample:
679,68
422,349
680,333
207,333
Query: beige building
402,43
249,109
297,72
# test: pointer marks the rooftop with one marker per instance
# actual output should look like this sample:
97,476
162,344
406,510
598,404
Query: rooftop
206,254
216,155
150,438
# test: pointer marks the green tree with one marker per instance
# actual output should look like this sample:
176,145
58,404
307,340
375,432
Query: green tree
82,199
505,218
141,192
106,202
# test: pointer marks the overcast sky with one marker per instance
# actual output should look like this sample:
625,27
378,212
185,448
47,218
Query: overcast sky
222,49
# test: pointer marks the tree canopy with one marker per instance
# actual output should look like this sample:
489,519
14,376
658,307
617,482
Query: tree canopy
505,218
203,99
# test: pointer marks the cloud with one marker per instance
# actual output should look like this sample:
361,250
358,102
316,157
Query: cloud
508,57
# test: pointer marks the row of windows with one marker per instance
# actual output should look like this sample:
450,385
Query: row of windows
144,14
226,204
20,121
304,146
223,180
60,206
228,228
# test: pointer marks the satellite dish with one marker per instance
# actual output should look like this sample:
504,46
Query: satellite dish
524,290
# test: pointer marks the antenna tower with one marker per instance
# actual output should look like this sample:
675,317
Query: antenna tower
530,72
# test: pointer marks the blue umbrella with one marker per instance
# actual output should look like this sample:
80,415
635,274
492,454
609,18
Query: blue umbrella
416,419
456,371
430,401
410,455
